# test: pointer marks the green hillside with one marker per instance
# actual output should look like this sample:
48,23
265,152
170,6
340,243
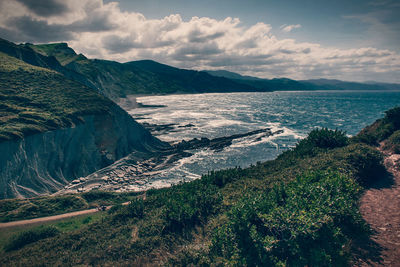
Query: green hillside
36,99
116,79
300,209
61,51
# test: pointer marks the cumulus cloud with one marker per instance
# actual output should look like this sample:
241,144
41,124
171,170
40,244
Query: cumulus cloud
45,7
103,30
31,30
289,28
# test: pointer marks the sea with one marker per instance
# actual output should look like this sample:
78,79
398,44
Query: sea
222,114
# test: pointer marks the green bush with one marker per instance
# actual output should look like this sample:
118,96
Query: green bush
393,142
366,163
135,209
380,129
222,177
304,222
189,204
393,116
321,139
27,237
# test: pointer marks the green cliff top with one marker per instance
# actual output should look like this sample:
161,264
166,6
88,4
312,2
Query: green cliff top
35,99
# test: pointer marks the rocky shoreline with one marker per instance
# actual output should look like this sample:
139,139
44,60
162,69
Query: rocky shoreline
136,172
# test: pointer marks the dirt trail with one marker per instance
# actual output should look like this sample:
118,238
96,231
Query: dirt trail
52,218
380,207
47,219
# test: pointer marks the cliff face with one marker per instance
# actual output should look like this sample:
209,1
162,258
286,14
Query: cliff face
45,162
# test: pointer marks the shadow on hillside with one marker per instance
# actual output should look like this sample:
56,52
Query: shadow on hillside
366,251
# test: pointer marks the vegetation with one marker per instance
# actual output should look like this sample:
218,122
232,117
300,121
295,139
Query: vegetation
60,51
393,142
27,237
381,129
116,79
305,222
35,99
300,209
9,235
148,77
321,139
18,209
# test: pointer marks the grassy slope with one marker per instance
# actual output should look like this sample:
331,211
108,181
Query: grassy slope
64,226
21,209
135,78
35,99
308,220
61,51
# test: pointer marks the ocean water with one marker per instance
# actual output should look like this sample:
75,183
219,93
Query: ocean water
216,115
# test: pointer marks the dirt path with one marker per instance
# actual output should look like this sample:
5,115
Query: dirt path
52,218
380,207
47,219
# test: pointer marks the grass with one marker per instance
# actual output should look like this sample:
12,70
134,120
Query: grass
60,51
305,222
35,99
63,226
381,129
299,209
298,201
393,142
21,209
142,77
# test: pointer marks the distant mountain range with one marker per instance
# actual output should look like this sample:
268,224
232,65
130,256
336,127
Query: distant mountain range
280,84
116,80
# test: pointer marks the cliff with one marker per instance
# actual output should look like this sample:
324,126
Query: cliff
54,130
43,163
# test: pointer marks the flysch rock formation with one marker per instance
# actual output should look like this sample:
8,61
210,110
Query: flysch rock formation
137,171
44,163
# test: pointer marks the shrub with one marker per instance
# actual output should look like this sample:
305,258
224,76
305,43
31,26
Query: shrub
380,129
305,222
393,116
27,237
393,142
222,177
135,209
321,139
366,162
189,204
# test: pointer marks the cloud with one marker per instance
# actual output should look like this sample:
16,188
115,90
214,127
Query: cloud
289,28
103,30
45,7
32,30
382,23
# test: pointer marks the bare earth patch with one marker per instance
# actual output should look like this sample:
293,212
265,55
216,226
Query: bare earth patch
380,207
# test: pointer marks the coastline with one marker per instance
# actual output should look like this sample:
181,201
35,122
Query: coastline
138,171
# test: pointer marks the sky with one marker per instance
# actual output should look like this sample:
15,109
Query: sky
353,40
